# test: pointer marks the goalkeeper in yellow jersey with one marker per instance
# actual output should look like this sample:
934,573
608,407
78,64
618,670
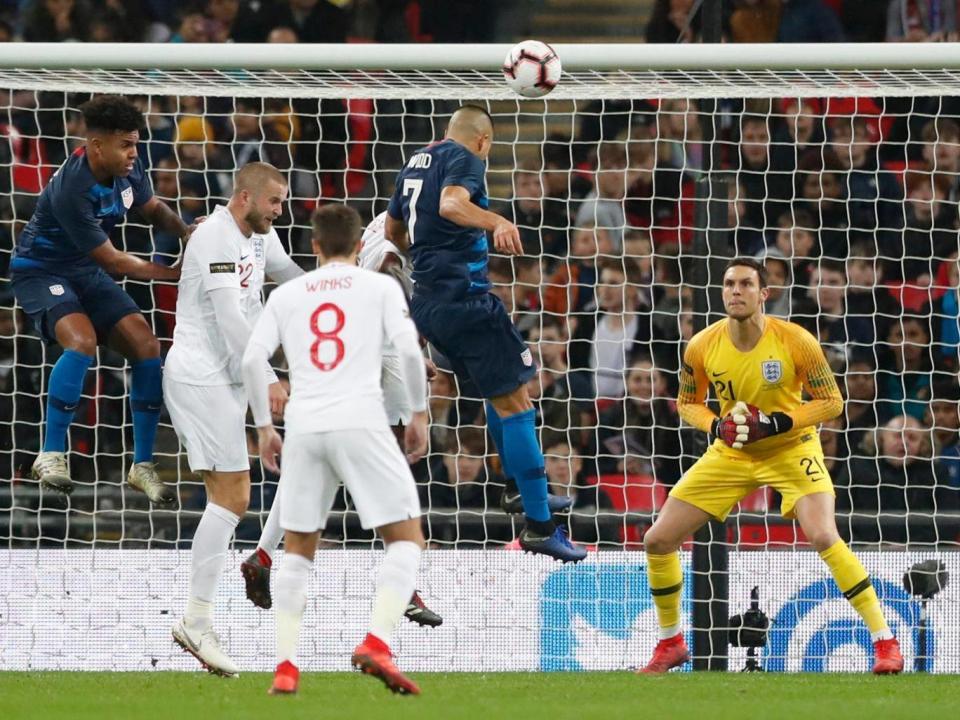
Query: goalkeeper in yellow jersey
758,367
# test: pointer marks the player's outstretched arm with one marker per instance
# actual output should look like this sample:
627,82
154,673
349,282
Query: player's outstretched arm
456,207
117,262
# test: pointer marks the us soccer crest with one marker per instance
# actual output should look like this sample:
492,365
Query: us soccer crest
772,370
127,196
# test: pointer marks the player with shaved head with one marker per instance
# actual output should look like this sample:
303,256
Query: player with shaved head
439,213
220,300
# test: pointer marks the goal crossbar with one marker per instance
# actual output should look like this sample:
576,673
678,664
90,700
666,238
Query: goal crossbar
440,71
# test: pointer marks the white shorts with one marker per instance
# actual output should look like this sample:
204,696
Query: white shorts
368,462
211,424
395,400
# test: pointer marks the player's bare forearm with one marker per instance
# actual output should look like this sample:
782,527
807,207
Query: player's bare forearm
396,232
457,208
161,216
115,262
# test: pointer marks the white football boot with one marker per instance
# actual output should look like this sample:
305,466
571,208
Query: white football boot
204,645
50,468
143,477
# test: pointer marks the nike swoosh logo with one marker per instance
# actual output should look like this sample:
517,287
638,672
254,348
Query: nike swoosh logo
720,373
244,257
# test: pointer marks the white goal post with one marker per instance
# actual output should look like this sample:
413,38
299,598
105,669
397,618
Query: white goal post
77,575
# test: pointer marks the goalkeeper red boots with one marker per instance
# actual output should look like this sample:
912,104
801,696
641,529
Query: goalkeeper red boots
887,659
669,653
285,679
373,657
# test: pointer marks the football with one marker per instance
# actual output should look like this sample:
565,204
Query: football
532,68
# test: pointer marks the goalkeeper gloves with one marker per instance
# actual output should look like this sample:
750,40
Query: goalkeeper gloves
748,424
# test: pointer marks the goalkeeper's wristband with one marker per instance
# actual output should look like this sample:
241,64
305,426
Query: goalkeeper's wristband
781,422
715,428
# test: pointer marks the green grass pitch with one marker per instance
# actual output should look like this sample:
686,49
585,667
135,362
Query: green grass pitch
489,696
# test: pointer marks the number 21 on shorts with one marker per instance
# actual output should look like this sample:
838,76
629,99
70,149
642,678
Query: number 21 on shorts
327,337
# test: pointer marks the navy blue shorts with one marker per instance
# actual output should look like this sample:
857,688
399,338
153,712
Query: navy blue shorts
480,341
46,297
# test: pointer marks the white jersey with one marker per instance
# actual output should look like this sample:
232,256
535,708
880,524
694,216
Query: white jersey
218,255
334,323
374,245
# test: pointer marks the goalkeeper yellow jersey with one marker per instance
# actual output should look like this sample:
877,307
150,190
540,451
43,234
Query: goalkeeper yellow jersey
786,361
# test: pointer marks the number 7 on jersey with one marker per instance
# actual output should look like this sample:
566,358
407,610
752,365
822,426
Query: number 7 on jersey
412,187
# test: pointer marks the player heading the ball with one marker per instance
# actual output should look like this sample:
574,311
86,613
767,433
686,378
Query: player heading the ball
60,273
334,324
439,214
758,368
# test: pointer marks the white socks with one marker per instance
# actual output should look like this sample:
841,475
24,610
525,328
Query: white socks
395,585
272,533
668,632
209,554
290,598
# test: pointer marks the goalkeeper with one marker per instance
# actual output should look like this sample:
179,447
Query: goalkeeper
766,434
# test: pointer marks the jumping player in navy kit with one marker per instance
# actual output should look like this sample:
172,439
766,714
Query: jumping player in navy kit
438,213
61,270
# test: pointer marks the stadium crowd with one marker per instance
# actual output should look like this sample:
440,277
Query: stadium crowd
852,205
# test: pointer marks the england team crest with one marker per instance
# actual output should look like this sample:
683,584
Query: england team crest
772,370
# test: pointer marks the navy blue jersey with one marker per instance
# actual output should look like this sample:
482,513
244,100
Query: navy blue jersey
74,215
449,261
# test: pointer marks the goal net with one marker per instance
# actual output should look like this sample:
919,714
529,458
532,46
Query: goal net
633,183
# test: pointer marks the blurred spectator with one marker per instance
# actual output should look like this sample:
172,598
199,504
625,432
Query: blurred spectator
604,341
56,20
639,435
944,419
679,133
659,199
592,510
571,287
809,21
314,21
603,208
873,196
517,292
461,481
903,375
921,20
796,240
898,483
283,34
931,228
820,193
870,308
558,400
193,27
836,455
767,188
946,315
860,412
779,282
670,22
526,212
823,311
755,21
